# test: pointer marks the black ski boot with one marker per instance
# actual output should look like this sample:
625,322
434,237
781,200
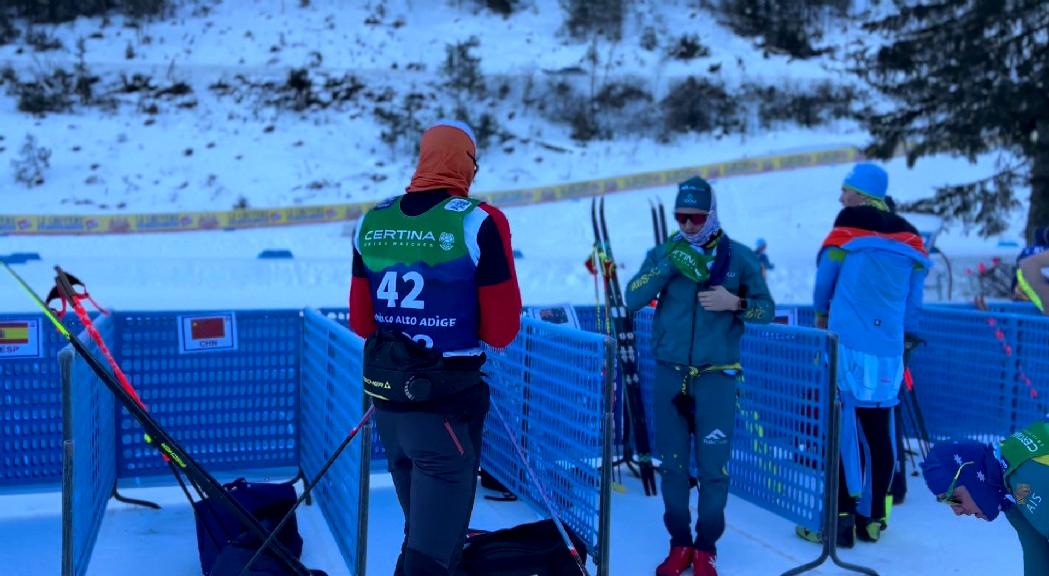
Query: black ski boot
846,530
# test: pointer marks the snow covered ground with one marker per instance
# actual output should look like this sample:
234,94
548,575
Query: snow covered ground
922,539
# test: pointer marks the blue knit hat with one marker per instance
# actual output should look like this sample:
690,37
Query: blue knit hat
868,179
694,193
975,467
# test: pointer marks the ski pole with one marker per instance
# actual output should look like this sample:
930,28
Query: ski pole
542,493
308,488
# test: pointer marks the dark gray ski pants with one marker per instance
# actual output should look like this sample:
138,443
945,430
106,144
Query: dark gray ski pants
714,396
434,460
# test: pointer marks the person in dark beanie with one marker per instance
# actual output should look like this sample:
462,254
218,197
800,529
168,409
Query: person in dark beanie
869,280
433,277
978,480
707,285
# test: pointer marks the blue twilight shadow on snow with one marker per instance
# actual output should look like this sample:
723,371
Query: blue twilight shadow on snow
20,258
279,254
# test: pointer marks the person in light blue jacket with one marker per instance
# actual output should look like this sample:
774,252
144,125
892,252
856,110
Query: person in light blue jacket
869,278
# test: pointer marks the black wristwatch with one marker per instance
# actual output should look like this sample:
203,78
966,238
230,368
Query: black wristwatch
742,305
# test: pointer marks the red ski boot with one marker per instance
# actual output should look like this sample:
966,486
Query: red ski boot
677,561
703,564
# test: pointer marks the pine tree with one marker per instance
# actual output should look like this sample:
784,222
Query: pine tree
967,77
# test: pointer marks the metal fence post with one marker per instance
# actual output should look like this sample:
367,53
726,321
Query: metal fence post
65,361
364,488
829,533
603,554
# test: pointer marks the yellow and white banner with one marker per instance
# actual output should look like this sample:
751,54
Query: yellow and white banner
38,225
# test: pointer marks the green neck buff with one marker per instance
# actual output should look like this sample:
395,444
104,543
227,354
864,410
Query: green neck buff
692,263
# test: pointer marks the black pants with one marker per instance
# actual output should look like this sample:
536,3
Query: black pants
433,458
876,430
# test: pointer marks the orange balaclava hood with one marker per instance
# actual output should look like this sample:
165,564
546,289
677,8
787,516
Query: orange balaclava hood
447,159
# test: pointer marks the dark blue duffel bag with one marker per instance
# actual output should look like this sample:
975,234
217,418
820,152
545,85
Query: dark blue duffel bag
222,540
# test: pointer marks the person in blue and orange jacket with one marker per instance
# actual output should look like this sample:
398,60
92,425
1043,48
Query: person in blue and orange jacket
869,281
433,278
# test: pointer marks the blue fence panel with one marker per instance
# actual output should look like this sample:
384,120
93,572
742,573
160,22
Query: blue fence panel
593,319
378,458
1032,359
333,402
778,453
963,379
979,374
998,306
646,363
550,386
90,466
31,406
232,409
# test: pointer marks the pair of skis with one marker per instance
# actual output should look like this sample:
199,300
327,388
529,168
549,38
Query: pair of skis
622,324
659,220
66,290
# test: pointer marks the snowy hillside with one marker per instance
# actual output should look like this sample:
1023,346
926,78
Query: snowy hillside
202,133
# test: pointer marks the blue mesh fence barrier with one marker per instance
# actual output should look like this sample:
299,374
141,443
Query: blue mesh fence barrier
980,374
378,457
779,450
90,473
230,409
31,400
332,403
999,306
592,319
552,386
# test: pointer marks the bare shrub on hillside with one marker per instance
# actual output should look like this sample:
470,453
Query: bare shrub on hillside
699,105
600,17
791,27
54,11
33,160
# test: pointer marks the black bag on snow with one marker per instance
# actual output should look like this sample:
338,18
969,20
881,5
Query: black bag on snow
236,554
534,549
218,530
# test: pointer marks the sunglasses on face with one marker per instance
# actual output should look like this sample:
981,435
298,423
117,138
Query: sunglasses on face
474,159
948,496
697,219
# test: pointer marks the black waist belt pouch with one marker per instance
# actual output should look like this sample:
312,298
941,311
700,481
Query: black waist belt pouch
399,369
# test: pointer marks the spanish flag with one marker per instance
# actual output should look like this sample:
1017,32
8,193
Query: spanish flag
14,333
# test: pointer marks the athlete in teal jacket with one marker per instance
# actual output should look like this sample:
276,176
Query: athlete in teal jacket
707,286
982,481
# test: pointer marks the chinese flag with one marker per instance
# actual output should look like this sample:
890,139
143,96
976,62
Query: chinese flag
207,328
14,333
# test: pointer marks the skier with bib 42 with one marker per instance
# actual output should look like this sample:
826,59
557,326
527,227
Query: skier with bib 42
707,285
433,277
